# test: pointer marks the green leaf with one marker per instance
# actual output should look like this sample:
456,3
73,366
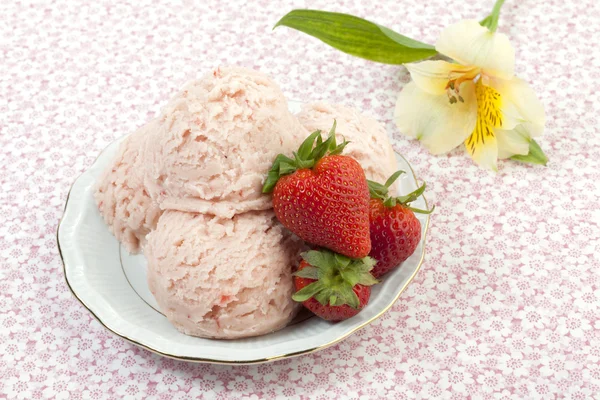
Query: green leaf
357,36
306,147
342,260
314,258
319,141
339,148
285,168
332,130
307,292
274,173
536,155
367,279
421,211
351,276
377,190
367,263
308,273
412,196
323,297
352,299
393,178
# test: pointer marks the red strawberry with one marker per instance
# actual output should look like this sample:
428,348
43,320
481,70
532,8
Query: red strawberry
333,286
395,231
322,196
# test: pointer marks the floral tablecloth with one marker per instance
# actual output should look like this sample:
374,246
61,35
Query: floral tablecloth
507,302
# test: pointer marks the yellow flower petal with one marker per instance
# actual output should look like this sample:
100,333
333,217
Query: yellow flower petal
515,141
482,144
439,125
472,44
520,105
433,76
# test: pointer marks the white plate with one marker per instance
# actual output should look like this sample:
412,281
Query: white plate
111,284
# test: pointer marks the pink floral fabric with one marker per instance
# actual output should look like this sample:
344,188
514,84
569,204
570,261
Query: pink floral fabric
506,304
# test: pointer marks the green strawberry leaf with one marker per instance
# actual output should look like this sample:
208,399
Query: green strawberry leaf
379,191
351,276
314,258
306,157
308,291
409,198
307,272
365,264
393,178
285,168
366,279
322,297
357,36
337,276
274,173
307,146
351,299
342,260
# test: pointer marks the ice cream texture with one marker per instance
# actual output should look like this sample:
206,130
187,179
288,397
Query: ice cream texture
369,142
122,199
219,136
223,278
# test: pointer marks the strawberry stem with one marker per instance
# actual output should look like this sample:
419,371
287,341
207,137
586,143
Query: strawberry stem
379,191
335,276
307,156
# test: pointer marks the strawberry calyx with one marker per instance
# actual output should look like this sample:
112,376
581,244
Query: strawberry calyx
379,191
335,277
306,156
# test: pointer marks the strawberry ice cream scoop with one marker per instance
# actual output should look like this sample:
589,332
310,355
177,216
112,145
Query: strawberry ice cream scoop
223,278
369,142
122,199
219,135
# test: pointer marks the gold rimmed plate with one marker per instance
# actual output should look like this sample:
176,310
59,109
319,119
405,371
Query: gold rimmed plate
111,284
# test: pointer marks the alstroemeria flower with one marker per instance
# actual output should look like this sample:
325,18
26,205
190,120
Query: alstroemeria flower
476,100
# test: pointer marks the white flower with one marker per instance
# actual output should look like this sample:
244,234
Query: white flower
421,316
586,298
379,378
130,391
305,371
573,324
476,101
497,326
12,351
126,363
552,340
373,350
488,299
59,388
490,381
415,371
531,317
472,351
513,364
166,382
440,280
556,365
457,378
18,387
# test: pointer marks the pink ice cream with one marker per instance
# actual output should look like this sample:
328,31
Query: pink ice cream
369,142
223,278
121,197
219,136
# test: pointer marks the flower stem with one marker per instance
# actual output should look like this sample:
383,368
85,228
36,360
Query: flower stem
491,21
